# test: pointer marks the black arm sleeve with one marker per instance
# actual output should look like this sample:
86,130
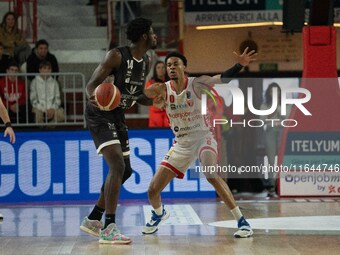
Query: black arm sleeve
227,75
144,100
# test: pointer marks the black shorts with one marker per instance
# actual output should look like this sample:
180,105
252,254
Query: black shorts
107,128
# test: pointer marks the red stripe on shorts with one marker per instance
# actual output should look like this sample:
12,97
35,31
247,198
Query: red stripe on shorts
180,175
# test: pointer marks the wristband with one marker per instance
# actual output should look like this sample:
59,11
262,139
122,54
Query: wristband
8,124
231,72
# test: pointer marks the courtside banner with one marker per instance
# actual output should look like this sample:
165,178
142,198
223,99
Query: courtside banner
313,160
214,12
315,150
64,166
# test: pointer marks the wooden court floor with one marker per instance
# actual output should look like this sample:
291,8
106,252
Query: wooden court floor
293,226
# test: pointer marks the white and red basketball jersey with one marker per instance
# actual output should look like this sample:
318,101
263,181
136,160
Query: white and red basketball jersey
184,111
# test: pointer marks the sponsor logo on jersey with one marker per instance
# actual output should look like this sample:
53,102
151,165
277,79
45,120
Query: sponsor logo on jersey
190,127
132,90
176,129
184,114
178,106
182,135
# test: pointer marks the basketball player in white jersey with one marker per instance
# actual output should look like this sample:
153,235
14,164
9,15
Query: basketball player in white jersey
181,97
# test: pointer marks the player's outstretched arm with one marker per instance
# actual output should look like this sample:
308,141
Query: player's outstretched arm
157,91
144,100
246,57
243,60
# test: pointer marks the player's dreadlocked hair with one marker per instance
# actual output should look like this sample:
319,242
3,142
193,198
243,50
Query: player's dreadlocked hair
137,27
177,55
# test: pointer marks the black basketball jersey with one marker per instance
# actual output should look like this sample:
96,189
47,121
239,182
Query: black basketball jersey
130,77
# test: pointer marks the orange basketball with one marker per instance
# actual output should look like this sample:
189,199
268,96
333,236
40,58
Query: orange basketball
107,96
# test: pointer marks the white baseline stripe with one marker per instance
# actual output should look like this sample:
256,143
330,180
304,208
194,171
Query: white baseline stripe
316,223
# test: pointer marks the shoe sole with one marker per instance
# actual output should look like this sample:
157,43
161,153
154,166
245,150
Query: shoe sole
89,231
165,218
250,234
114,242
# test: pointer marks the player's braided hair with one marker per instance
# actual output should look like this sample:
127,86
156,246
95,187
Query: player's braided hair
137,27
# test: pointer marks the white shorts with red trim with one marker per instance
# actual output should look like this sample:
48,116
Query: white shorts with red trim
180,156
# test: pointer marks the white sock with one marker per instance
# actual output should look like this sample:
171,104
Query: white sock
236,213
159,211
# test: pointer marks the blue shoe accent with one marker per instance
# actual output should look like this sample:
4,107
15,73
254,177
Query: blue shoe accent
244,229
153,225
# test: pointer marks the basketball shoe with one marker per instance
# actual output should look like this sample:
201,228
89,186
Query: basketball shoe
244,229
152,226
91,227
111,235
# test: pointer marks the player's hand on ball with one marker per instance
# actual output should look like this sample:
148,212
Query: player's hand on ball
93,101
107,96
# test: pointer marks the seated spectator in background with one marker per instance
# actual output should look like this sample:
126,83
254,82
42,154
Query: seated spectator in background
45,96
157,117
4,60
40,53
13,94
12,39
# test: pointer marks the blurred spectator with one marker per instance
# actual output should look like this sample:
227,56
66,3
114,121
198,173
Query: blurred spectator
12,39
13,93
45,96
40,53
157,117
272,134
4,60
241,150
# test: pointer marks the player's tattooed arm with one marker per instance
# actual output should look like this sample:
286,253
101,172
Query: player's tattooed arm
157,92
155,89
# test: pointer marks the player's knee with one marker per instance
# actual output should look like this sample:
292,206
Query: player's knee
152,191
208,158
117,169
114,159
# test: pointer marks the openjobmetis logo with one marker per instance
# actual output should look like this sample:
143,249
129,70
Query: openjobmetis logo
239,107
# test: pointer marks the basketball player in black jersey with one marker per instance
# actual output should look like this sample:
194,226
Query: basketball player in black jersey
128,66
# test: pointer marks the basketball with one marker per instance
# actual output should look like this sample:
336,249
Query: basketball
107,96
